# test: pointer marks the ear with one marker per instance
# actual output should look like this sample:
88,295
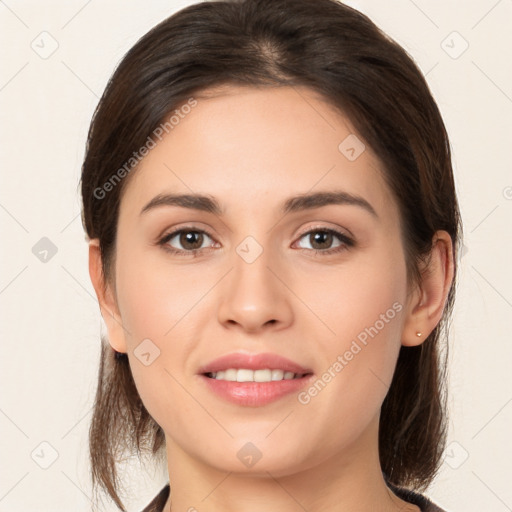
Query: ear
106,299
427,301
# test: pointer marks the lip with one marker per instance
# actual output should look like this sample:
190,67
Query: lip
254,394
253,362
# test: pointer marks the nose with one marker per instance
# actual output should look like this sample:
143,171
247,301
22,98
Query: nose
254,296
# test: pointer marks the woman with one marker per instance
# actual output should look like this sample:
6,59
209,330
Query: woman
274,229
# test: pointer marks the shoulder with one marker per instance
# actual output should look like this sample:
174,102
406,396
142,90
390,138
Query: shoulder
424,503
158,502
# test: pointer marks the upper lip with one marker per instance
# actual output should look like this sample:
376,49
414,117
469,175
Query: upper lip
253,362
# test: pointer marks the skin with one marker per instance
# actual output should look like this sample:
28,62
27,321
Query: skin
251,149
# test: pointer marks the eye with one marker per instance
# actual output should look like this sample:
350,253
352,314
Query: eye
321,240
190,239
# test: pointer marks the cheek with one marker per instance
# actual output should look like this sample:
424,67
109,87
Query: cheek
348,300
154,297
156,304
358,339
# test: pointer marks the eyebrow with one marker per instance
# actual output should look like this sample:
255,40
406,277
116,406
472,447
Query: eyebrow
293,204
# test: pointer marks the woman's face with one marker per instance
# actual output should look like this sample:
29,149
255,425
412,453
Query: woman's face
269,277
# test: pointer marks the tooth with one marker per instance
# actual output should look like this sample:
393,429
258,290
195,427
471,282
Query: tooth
277,374
245,375
262,375
230,374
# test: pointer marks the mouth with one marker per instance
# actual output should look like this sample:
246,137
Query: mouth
254,380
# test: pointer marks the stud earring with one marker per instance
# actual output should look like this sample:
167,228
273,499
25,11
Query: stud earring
418,334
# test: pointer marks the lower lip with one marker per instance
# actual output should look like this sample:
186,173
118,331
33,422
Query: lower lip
255,394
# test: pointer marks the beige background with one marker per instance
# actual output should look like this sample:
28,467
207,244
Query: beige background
50,319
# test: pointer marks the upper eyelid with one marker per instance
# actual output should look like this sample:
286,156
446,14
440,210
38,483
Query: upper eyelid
174,232
339,231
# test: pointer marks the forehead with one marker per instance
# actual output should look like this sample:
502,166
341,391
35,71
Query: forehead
243,144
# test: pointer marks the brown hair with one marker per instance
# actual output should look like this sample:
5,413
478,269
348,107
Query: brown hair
339,53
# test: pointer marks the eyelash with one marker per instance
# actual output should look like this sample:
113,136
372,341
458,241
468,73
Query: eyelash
347,242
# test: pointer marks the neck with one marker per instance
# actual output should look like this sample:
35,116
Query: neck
344,482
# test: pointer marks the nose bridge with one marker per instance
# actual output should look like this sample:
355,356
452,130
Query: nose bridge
252,295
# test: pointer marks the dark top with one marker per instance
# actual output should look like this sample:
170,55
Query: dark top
158,503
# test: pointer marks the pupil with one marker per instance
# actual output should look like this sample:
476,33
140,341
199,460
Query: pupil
187,238
321,237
